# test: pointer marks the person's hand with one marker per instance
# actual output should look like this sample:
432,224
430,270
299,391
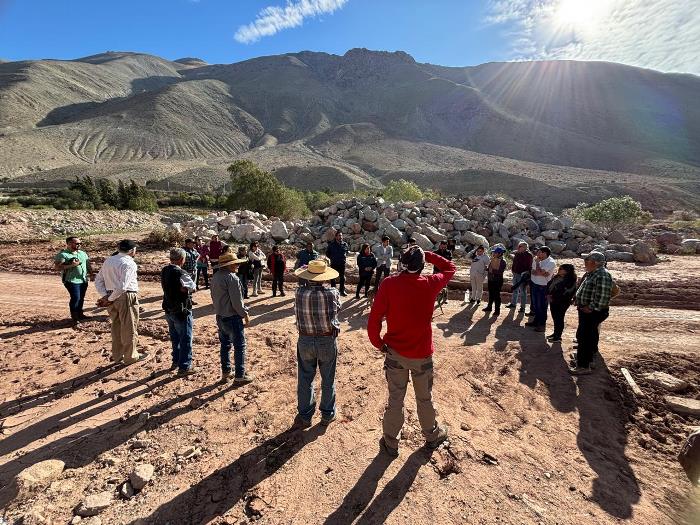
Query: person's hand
246,320
103,302
75,262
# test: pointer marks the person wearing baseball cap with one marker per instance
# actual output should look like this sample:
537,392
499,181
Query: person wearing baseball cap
231,316
117,284
316,309
495,269
407,300
592,301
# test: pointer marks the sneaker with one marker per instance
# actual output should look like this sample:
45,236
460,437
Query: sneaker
478,302
472,301
255,295
573,356
439,440
83,317
511,305
325,421
243,380
225,376
389,451
183,372
300,422
143,356
580,371
553,339
282,294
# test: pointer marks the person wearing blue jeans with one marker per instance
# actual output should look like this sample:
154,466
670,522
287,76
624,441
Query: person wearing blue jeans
231,334
76,291
178,286
74,265
316,308
538,296
313,352
231,316
543,270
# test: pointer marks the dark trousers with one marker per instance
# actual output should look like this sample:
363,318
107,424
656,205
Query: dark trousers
588,335
495,293
340,268
77,298
558,311
538,303
202,272
382,271
365,280
277,283
244,284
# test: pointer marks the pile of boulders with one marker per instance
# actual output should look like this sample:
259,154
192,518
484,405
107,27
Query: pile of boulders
468,221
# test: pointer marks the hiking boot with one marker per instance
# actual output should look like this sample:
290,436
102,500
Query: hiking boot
325,421
282,294
439,440
522,310
183,372
487,309
143,356
173,367
225,376
580,370
243,380
300,422
554,338
389,451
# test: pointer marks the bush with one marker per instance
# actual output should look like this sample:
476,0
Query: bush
615,212
402,190
260,191
162,238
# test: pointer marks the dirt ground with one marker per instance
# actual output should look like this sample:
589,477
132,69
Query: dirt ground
528,443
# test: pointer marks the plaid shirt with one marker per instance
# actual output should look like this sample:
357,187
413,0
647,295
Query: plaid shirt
316,310
594,290
191,257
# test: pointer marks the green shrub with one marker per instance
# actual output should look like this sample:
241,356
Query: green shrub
162,238
615,212
402,190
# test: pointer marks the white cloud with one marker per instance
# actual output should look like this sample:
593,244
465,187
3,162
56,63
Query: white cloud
273,19
657,34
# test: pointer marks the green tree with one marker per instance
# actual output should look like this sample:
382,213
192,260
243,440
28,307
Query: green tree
88,192
258,190
108,193
140,198
122,196
402,190
615,212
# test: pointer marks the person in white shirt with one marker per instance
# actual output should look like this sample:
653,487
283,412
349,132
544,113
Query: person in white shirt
118,288
477,273
384,252
543,270
257,259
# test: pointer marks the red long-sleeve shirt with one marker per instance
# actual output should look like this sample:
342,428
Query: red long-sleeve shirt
407,301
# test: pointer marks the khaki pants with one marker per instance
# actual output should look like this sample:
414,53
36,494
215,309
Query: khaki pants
397,369
124,313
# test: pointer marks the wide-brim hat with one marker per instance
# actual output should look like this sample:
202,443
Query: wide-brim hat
316,271
228,259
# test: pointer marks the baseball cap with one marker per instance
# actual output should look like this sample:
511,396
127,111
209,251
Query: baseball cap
594,256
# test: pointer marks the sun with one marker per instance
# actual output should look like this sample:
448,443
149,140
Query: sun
584,15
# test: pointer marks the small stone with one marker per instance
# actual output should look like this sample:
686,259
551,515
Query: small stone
188,452
141,475
140,443
195,403
40,474
666,381
683,405
94,504
127,490
465,426
76,519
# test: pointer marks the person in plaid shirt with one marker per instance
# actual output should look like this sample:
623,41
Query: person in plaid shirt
316,308
592,299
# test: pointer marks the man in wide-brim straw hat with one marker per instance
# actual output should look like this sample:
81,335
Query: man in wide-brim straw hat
231,316
316,308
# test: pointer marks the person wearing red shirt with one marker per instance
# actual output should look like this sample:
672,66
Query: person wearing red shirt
216,247
407,301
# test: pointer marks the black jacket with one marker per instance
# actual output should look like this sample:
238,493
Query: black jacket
447,254
562,292
366,261
337,252
175,301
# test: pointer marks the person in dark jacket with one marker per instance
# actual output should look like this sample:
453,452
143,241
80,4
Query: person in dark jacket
522,262
560,292
337,253
245,270
277,264
305,256
495,279
444,252
366,263
177,303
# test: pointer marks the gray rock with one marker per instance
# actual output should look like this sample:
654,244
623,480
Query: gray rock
667,238
550,235
557,247
643,252
474,239
279,231
433,234
690,246
93,504
399,224
617,237
126,491
141,475
666,381
613,255
394,234
683,405
461,225
423,241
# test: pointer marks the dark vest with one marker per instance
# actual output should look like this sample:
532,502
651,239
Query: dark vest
175,301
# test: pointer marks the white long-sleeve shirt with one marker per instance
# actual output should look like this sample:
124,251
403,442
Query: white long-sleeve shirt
117,276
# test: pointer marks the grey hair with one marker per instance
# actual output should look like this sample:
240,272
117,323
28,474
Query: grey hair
177,254
525,243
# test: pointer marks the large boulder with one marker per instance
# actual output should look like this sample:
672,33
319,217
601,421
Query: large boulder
369,226
240,232
40,474
394,234
399,224
667,238
474,239
617,237
643,252
586,227
423,241
690,246
666,381
556,246
433,233
613,255
279,231
550,235
461,225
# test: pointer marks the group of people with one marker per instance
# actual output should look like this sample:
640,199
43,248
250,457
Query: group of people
404,301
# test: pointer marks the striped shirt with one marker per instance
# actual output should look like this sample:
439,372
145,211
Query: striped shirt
595,290
191,256
316,308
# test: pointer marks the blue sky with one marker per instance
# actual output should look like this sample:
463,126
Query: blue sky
660,34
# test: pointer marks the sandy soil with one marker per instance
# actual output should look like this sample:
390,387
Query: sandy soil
529,443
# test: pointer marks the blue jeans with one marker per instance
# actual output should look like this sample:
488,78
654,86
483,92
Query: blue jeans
231,334
312,352
77,298
520,291
180,328
538,299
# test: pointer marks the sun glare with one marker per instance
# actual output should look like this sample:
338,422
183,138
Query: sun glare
583,15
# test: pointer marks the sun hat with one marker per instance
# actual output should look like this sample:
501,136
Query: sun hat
316,271
228,259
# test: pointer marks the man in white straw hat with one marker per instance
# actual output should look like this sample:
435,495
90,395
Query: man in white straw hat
316,307
231,316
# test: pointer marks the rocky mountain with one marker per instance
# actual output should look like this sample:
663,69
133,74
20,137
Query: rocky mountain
551,132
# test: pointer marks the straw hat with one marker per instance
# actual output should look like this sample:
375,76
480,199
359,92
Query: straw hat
316,271
228,259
